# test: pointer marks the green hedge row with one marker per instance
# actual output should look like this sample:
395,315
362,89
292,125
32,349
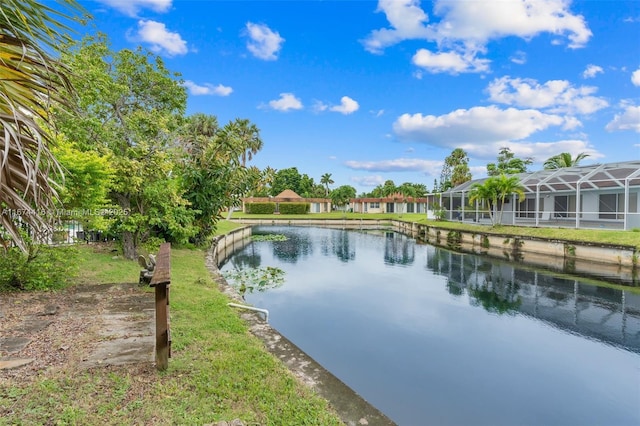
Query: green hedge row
260,208
294,208
284,208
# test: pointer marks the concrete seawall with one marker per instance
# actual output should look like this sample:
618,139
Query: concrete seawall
589,259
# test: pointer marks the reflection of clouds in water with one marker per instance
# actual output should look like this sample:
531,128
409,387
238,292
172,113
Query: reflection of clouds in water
410,331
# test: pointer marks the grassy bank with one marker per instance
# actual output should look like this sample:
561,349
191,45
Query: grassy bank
605,236
218,370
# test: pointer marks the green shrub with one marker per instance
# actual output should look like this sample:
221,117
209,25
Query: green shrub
260,208
294,208
43,268
152,244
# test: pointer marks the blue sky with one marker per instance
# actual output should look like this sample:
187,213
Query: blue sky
370,91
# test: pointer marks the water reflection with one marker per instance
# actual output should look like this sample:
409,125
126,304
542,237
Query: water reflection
590,310
431,336
398,249
296,246
338,244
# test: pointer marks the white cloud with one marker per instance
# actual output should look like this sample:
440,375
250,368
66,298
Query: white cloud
479,22
347,106
160,39
397,165
519,57
132,7
466,27
628,120
591,71
319,106
378,113
373,180
263,42
635,77
556,96
287,102
478,125
450,62
407,21
207,89
538,151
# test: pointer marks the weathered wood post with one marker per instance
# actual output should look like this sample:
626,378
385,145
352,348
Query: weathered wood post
161,280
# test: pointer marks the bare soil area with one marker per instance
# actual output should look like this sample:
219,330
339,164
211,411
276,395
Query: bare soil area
76,328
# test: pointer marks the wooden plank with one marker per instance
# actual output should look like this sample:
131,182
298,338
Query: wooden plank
161,280
162,271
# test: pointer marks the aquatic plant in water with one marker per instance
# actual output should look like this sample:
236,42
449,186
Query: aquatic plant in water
269,237
250,279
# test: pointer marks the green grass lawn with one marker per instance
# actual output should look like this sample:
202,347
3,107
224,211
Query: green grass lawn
218,370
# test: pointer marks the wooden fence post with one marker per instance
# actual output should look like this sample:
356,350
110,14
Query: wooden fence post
161,281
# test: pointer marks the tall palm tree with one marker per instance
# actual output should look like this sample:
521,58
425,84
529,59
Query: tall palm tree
326,180
563,160
31,79
248,136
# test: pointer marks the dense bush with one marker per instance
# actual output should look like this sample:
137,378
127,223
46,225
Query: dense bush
260,208
294,208
43,268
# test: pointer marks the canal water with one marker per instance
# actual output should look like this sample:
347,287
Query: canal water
434,337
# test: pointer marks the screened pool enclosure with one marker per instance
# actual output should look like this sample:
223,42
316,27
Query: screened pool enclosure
597,196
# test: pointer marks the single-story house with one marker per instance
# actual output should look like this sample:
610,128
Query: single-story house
596,196
395,203
317,205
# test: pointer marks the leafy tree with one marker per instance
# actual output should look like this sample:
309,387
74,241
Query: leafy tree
455,170
130,106
563,160
326,181
213,177
31,80
291,178
420,189
508,164
384,190
285,179
341,196
406,190
309,189
263,184
85,188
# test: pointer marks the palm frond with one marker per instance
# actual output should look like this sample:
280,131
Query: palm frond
31,79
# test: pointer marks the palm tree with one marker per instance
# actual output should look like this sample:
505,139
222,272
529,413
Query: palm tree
485,192
248,136
507,186
494,191
563,160
31,81
326,180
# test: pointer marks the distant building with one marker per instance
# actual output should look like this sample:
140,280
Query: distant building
317,205
395,203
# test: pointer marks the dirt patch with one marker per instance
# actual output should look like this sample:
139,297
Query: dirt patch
77,328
